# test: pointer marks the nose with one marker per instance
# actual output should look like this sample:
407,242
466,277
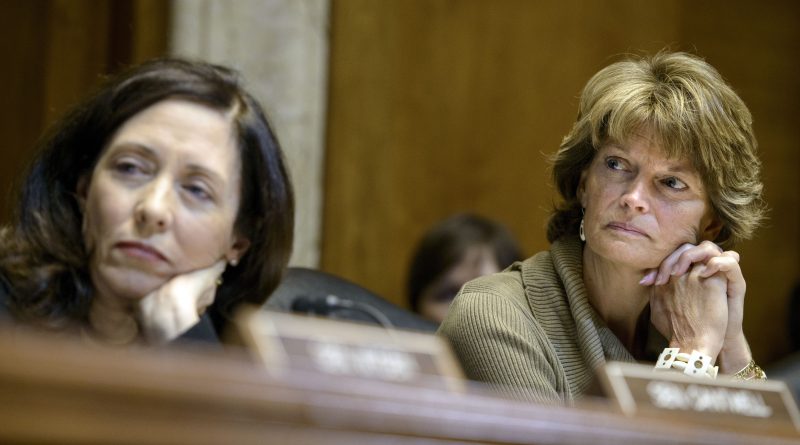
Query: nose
153,211
636,196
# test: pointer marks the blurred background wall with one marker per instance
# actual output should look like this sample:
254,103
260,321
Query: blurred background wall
397,113
281,48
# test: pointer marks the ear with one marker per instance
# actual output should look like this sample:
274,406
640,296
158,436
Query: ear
581,191
82,191
237,250
710,228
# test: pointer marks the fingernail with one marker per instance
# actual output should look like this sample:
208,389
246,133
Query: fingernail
648,278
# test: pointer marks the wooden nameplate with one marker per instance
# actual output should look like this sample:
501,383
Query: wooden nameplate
286,342
761,405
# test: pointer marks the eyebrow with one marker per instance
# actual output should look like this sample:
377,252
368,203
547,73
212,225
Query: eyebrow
210,174
135,145
680,169
683,167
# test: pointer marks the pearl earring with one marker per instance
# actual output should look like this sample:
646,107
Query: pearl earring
234,262
580,231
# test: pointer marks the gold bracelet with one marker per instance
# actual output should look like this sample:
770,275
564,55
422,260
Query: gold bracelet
751,372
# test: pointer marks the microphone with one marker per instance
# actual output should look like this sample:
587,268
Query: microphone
330,304
309,305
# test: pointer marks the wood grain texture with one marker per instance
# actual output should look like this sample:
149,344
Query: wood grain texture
756,48
54,391
56,52
441,106
21,46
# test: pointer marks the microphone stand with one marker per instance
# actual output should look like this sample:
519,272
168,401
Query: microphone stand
332,303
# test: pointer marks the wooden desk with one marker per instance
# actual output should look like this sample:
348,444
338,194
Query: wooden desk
59,391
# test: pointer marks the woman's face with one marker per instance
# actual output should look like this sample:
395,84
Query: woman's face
435,299
641,205
162,199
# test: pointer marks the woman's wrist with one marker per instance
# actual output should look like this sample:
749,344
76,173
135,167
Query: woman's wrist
695,364
711,348
735,354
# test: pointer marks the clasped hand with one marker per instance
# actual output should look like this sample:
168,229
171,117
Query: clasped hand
697,302
176,306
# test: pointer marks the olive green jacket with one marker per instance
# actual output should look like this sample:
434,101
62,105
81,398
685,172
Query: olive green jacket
530,331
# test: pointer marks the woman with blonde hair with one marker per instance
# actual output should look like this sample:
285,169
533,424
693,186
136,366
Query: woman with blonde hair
659,178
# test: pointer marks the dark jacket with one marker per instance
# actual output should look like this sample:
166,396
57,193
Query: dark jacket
203,331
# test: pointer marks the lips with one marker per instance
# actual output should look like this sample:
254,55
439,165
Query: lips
627,228
141,251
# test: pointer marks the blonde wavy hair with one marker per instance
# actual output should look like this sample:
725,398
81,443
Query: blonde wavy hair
693,114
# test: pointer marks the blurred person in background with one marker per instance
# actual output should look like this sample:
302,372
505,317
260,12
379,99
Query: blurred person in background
454,251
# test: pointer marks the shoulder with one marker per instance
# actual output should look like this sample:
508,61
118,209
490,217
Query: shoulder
496,303
506,284
490,293
495,335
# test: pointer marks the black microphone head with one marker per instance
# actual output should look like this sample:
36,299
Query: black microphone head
337,307
310,305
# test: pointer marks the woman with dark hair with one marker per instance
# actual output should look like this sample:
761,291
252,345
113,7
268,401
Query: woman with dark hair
163,194
456,250
659,178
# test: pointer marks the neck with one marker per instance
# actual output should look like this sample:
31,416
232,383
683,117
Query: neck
615,293
112,321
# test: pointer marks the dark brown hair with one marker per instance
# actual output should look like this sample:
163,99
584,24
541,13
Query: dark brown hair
44,258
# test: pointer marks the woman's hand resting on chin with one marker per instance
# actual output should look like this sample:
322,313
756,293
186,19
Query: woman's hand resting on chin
697,302
173,308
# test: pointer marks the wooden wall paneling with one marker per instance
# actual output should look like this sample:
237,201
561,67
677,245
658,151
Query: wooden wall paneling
57,51
139,31
755,47
91,38
76,52
21,46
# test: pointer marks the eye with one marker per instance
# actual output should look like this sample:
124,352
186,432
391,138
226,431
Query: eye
129,167
614,163
198,190
674,183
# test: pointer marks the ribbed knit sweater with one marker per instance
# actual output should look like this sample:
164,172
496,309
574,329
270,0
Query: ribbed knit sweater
530,331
